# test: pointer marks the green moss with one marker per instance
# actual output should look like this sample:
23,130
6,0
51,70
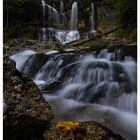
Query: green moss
133,34
121,33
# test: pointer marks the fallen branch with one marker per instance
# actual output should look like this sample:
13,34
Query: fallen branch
99,36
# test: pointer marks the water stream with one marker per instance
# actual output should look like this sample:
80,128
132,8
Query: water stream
93,20
92,85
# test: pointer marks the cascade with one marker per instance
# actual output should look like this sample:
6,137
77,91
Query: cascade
62,34
99,86
93,26
74,33
54,14
43,11
61,7
48,34
74,17
58,18
63,19
92,19
21,57
42,31
68,36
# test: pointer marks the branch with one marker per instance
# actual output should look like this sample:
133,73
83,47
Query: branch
99,36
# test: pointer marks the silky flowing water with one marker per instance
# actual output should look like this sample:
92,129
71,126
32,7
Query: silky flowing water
92,85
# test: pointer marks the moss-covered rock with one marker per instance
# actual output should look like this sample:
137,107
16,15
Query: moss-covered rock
80,131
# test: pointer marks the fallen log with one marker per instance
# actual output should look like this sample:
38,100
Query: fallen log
74,43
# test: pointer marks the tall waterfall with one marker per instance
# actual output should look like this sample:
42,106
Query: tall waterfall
92,85
61,7
92,19
74,33
63,19
58,18
54,15
74,17
93,26
47,34
43,11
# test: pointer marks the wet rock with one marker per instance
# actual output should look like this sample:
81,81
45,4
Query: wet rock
35,62
85,131
18,88
27,115
51,87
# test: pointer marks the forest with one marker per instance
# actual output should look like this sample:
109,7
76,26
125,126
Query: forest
23,18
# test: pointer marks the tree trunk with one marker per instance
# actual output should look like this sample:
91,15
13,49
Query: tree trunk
7,21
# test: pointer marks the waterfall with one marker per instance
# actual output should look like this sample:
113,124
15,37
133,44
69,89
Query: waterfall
54,14
102,78
48,34
92,19
43,11
74,17
21,58
58,18
65,36
92,85
74,33
93,26
61,7
64,19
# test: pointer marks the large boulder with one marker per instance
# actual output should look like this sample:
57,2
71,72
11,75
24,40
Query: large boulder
80,131
27,115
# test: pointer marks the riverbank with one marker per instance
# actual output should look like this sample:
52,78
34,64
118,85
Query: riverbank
17,45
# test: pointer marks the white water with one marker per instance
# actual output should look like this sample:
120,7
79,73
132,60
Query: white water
54,18
120,121
51,52
61,35
21,57
74,17
74,33
72,36
99,87
58,18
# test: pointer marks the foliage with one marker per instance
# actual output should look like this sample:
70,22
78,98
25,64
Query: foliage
126,9
121,33
67,126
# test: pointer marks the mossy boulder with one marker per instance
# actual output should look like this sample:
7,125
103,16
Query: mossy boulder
80,131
